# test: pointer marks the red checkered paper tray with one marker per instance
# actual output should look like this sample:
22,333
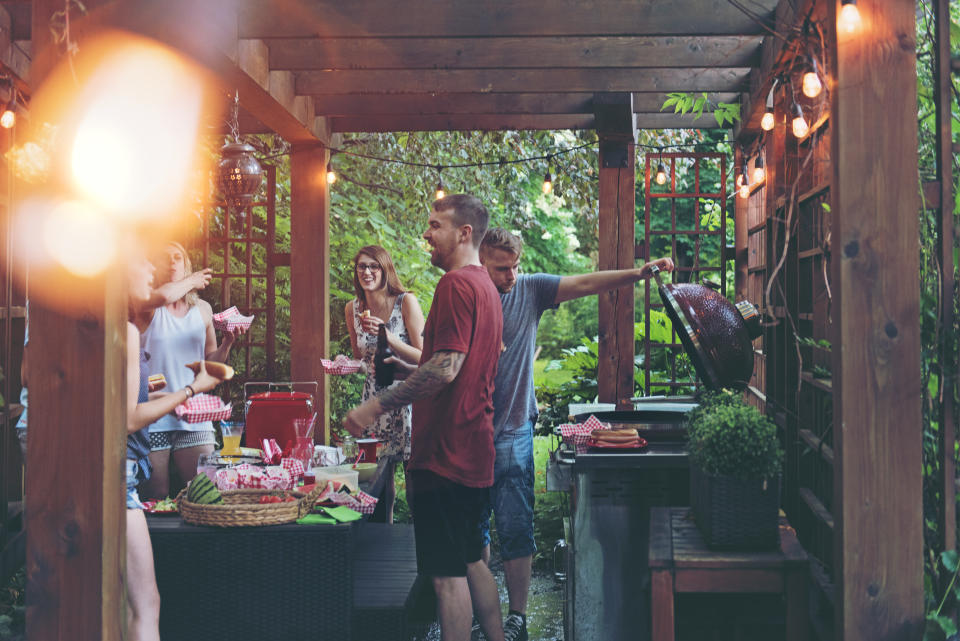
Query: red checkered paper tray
203,407
251,476
340,365
230,319
579,433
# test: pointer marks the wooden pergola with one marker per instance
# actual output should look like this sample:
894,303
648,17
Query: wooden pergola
308,70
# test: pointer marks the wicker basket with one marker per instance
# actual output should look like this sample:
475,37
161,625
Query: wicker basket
733,514
242,508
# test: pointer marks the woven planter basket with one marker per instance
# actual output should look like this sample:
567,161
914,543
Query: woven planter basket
241,508
733,514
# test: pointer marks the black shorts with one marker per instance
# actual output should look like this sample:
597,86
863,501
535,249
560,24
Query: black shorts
446,522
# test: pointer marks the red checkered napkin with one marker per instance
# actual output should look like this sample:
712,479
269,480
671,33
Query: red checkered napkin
362,502
230,319
293,466
203,407
579,433
340,365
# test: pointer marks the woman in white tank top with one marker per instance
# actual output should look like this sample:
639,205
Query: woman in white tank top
178,333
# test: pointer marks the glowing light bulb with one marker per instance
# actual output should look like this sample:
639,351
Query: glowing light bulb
759,174
331,175
745,191
800,126
661,174
849,19
768,121
547,183
740,180
8,118
440,192
811,84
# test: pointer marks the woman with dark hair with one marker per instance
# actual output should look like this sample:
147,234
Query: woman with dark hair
382,300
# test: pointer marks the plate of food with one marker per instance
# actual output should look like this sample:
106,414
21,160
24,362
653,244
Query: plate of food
163,506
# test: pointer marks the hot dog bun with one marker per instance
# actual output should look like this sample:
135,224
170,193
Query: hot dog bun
156,378
615,436
217,370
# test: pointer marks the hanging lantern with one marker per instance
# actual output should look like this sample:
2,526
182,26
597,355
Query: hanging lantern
238,174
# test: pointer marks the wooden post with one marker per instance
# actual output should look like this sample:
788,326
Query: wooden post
310,274
75,508
740,222
876,344
943,97
615,127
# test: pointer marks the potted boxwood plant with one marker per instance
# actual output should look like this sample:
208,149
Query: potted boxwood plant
735,459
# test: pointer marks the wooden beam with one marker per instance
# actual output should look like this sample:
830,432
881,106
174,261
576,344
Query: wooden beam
305,54
876,303
616,204
943,79
740,235
463,122
310,274
426,104
553,80
460,18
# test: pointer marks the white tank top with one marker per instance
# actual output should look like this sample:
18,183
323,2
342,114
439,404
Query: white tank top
171,343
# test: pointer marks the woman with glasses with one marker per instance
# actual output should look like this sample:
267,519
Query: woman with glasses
382,300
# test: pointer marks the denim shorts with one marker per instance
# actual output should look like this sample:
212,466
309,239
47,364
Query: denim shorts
511,496
133,498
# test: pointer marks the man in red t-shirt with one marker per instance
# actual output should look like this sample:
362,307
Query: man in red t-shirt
450,470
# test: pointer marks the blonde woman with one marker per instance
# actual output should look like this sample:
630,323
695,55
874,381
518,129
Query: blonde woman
179,332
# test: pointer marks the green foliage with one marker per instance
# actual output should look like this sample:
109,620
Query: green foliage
727,437
684,103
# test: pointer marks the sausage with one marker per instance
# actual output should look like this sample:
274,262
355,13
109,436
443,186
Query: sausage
218,370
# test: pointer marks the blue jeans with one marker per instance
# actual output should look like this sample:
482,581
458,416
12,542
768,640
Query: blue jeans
511,496
133,498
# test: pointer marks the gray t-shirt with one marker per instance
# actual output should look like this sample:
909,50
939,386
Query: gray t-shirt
514,402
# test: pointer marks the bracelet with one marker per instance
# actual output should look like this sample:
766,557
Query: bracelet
189,393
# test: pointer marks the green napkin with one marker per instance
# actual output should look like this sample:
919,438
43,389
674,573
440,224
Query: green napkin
342,513
314,519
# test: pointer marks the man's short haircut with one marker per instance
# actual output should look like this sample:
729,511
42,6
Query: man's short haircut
500,238
467,210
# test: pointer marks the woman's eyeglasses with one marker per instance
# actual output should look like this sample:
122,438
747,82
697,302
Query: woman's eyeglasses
373,268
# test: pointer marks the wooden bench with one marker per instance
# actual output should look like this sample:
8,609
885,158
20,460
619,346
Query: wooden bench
681,563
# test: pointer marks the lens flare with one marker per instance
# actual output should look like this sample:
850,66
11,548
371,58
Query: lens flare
80,238
136,128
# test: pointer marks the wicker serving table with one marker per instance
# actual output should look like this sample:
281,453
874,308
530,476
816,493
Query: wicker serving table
281,581
680,562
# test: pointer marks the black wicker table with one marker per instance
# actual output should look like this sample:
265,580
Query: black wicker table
281,581
680,562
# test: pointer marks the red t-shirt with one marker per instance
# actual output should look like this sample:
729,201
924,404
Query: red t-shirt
452,432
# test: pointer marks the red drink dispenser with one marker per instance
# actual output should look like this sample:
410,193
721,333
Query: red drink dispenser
271,414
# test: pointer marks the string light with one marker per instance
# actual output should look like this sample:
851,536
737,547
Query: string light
745,184
9,116
661,178
811,80
548,178
849,19
758,172
331,175
800,126
440,193
769,120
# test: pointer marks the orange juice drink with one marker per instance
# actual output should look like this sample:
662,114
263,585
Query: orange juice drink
231,445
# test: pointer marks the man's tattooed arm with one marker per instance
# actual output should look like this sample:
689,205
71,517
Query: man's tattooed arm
428,379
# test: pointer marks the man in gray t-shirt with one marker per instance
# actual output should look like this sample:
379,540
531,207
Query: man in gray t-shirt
524,299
